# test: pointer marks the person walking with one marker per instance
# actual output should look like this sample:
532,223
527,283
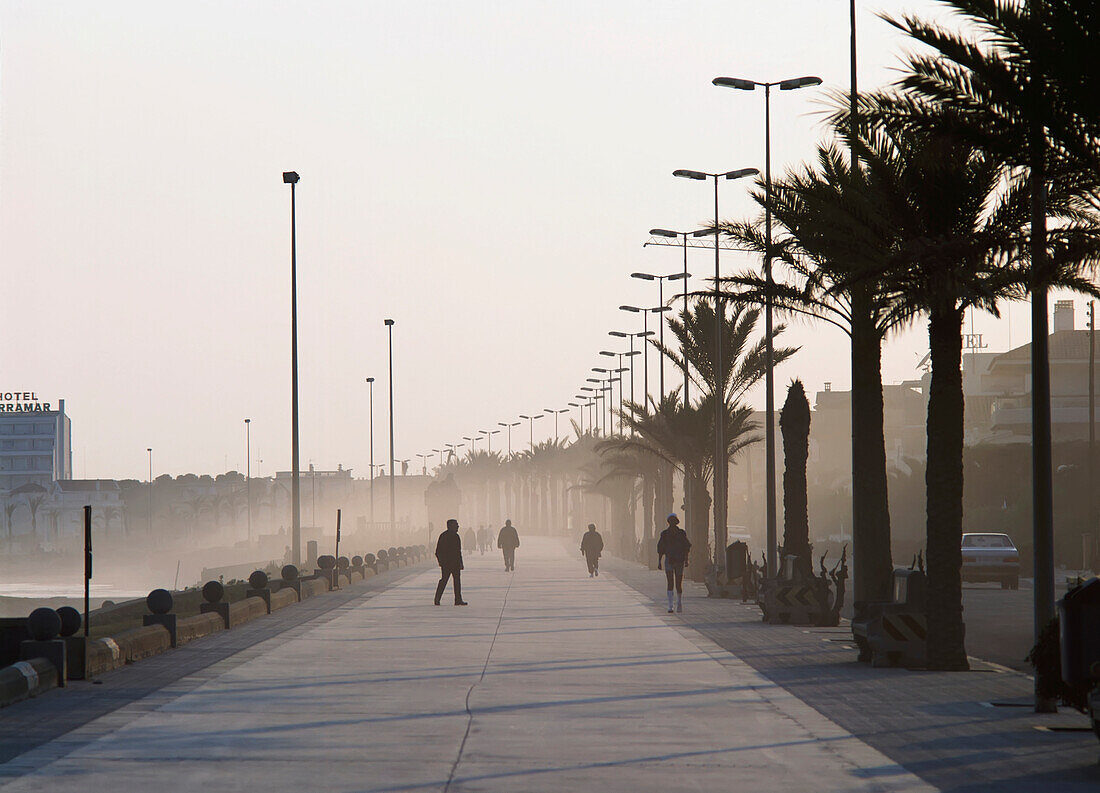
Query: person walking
470,538
591,548
674,546
448,552
508,541
483,539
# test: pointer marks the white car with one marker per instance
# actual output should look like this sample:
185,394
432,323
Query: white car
990,557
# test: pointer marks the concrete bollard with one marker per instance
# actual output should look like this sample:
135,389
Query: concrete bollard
159,603
44,625
258,583
71,621
213,592
292,579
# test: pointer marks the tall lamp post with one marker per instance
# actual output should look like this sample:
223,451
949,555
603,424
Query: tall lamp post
150,450
720,463
370,384
645,312
291,178
769,377
472,441
423,463
580,413
555,414
531,427
248,472
593,416
508,426
489,438
393,502
630,359
684,237
440,453
660,279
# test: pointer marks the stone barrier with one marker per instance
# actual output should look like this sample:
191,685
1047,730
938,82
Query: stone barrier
313,586
190,628
283,598
26,679
137,643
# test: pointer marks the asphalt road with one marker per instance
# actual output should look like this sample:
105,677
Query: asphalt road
999,622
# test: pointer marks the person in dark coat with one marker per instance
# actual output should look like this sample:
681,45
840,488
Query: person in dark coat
508,541
674,546
470,539
448,552
483,539
591,548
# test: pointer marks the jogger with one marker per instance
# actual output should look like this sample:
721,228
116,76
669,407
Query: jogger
674,546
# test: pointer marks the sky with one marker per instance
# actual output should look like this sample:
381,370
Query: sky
483,173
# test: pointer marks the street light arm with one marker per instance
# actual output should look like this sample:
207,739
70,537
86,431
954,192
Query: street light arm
735,82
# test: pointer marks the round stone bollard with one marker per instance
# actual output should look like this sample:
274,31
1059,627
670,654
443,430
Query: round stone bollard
326,562
357,561
342,563
213,591
160,601
43,624
70,620
289,573
258,580
382,555
370,560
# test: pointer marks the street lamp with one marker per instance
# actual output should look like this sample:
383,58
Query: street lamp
489,437
630,355
393,503
531,427
291,178
248,472
684,237
509,427
769,377
721,472
424,462
660,279
555,413
150,491
645,312
370,385
580,413
472,442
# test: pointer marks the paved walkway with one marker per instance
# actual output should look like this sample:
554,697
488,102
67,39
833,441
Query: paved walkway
548,681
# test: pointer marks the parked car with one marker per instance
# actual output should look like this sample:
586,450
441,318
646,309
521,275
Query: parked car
990,557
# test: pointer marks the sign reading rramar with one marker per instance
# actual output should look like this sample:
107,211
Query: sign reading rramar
22,402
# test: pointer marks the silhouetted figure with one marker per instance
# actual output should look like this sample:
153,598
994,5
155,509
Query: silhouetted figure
448,552
483,539
470,539
674,546
592,547
508,541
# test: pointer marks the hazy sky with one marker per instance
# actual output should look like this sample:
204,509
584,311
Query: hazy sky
482,172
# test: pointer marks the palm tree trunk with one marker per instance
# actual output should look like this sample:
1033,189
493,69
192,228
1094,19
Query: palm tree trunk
649,494
944,492
872,562
699,531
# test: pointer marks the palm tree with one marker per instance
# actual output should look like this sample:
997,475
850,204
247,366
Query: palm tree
9,511
961,222
832,243
794,420
1018,96
746,364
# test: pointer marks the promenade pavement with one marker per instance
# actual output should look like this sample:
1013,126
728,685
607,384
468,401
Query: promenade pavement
548,681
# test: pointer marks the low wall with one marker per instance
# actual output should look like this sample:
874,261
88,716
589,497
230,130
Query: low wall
246,610
26,679
190,628
283,598
313,586
111,652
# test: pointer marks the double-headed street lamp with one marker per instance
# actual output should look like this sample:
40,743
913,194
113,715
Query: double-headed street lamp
769,384
683,235
645,312
472,441
629,355
660,279
440,453
720,465
423,463
509,428
393,502
531,427
580,412
489,437
593,416
370,411
248,472
555,414
291,178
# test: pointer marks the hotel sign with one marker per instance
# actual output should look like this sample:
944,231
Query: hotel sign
22,402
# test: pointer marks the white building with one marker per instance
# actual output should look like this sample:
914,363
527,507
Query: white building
35,441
